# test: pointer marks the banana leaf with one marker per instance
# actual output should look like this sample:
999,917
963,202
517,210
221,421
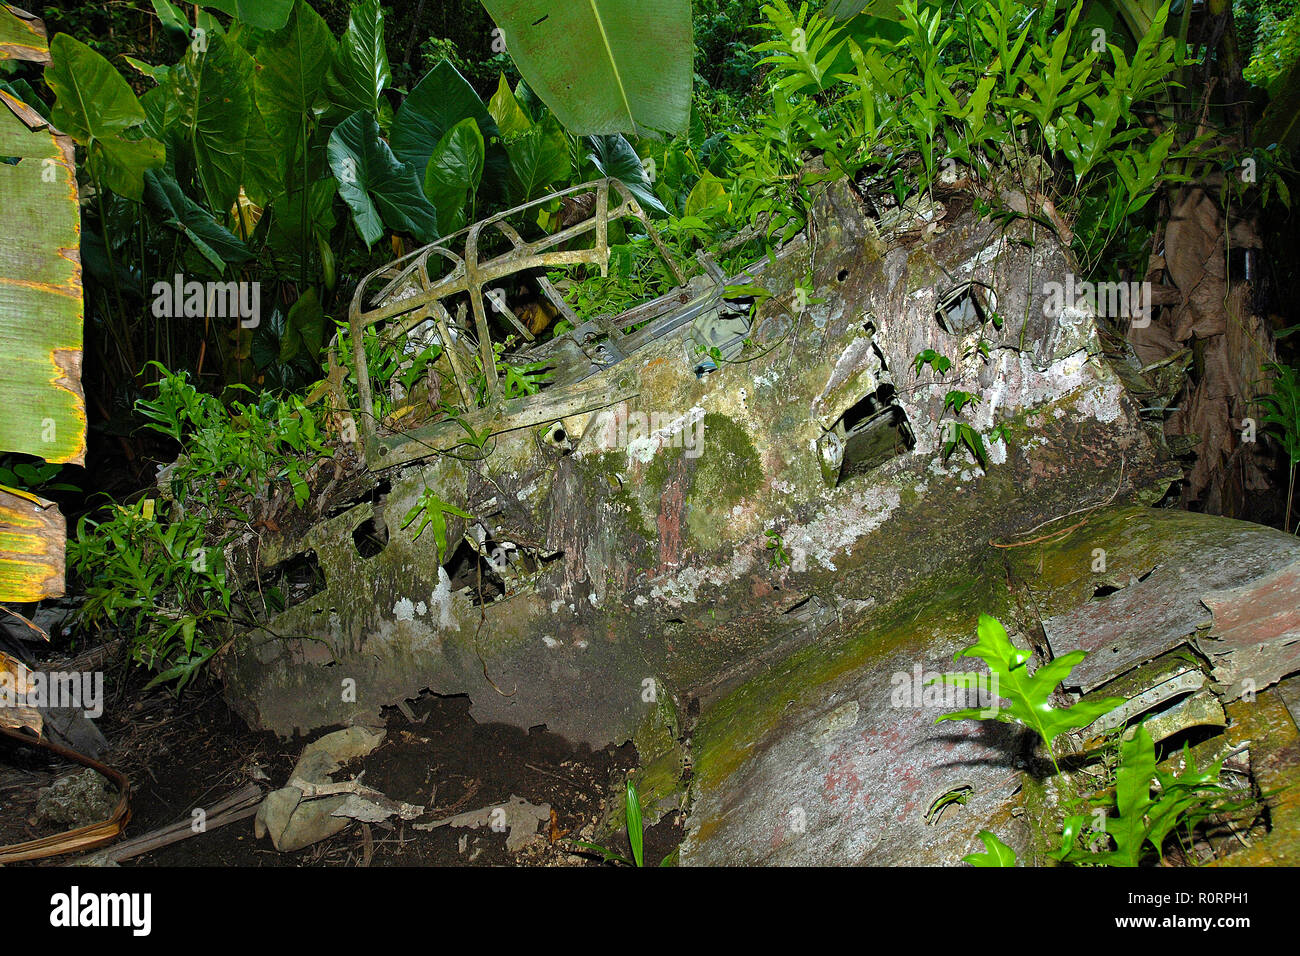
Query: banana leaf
604,66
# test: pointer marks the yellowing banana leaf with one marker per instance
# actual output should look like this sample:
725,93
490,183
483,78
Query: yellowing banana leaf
40,291
40,329
32,539
22,36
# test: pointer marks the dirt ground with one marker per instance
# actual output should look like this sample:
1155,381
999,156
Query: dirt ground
179,755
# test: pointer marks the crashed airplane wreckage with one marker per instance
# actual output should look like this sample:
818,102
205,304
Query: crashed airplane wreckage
725,524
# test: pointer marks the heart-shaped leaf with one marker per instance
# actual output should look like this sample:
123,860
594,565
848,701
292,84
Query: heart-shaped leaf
439,101
95,106
376,187
292,63
511,118
223,129
455,170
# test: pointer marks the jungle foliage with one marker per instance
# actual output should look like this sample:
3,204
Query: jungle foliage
1139,806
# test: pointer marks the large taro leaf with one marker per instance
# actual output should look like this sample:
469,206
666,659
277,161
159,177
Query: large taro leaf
359,74
376,187
452,177
264,14
439,101
162,112
604,66
292,63
511,118
615,157
221,125
96,107
165,198
22,36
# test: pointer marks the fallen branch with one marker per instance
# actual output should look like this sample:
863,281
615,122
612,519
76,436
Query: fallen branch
237,806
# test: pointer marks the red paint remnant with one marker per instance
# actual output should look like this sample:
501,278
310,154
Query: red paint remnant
672,505
841,778
778,835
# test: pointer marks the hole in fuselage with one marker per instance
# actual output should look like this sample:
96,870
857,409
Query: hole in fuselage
873,431
966,307
292,582
371,536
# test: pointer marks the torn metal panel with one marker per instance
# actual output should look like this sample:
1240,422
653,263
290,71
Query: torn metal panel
1265,727
1170,683
837,759
1199,710
1255,640
1149,617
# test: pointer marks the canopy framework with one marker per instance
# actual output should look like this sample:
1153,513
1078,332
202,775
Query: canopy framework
414,290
